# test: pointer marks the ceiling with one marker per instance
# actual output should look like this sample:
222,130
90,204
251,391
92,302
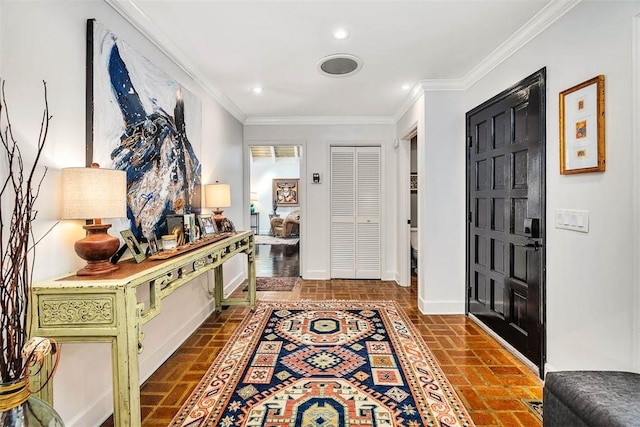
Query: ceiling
274,152
230,47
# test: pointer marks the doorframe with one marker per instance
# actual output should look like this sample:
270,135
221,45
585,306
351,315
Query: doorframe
404,212
636,188
302,196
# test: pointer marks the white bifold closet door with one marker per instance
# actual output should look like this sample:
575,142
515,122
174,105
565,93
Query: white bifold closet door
355,212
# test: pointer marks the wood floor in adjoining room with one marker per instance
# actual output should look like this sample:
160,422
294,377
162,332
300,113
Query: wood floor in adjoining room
491,382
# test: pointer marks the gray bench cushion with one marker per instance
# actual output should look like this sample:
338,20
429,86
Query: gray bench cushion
594,398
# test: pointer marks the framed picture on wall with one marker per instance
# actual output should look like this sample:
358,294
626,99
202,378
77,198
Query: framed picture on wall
286,192
582,127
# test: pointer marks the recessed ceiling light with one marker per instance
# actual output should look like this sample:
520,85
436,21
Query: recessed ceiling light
341,34
257,90
406,87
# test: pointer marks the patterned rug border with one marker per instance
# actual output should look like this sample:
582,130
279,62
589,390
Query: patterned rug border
280,287
534,406
242,334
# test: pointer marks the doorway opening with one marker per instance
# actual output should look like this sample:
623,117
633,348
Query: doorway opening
274,176
413,208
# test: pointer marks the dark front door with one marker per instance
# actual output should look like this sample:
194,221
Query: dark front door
506,228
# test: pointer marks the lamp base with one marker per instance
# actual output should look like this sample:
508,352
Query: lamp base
97,248
218,218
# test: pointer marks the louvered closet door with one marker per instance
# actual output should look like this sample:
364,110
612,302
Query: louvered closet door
355,212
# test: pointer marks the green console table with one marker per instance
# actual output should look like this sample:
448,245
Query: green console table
106,309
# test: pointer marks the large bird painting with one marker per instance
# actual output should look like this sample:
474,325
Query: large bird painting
146,124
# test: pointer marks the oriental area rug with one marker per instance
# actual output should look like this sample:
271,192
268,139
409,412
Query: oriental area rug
272,240
274,284
324,363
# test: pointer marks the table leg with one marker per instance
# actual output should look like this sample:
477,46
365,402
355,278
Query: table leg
125,365
219,287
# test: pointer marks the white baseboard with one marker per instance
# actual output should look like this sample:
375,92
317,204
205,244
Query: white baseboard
234,283
315,275
440,307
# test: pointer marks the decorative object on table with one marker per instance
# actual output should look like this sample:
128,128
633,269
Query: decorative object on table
207,225
134,247
153,245
274,214
350,362
582,127
254,199
189,228
169,242
217,196
144,122
173,224
20,355
91,194
179,235
226,226
285,191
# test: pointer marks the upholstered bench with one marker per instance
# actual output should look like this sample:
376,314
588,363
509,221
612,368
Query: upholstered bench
591,398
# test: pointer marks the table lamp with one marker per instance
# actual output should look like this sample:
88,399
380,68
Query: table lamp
94,193
254,199
217,196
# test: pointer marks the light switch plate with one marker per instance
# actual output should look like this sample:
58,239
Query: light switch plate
572,219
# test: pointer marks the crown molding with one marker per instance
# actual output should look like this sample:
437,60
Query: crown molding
427,85
553,11
549,14
141,22
320,120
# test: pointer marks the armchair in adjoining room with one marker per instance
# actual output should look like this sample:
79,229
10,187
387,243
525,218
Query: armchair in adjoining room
288,226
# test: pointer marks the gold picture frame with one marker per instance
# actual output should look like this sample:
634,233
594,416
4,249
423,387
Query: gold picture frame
582,127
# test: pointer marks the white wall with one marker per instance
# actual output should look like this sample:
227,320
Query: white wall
590,288
316,141
441,205
45,40
263,171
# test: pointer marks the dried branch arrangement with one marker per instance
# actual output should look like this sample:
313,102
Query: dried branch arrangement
19,191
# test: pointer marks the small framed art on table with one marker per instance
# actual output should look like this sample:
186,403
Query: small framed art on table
133,245
582,127
207,225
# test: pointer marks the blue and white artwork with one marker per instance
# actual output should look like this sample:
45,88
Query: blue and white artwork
147,124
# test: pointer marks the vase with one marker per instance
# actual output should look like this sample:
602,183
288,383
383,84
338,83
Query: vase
19,408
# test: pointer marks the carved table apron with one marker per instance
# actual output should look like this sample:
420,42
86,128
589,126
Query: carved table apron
106,309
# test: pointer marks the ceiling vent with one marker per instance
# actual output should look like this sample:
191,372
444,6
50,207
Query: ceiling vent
339,65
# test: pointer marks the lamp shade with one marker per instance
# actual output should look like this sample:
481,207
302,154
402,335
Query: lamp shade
254,196
217,195
89,193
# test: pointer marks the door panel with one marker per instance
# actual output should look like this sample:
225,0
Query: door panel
505,191
355,212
